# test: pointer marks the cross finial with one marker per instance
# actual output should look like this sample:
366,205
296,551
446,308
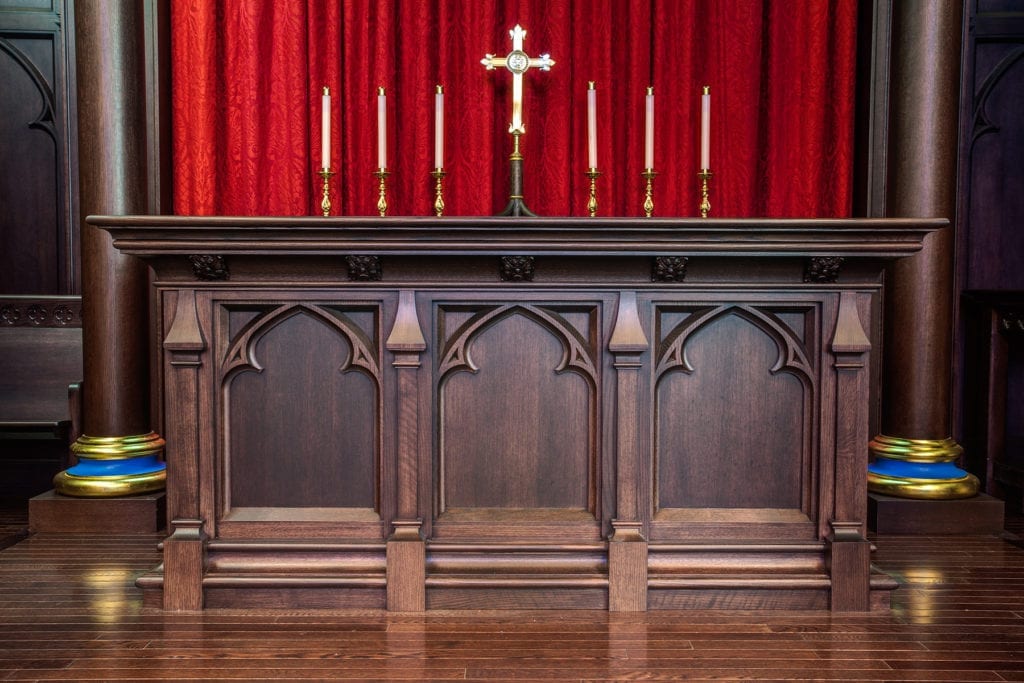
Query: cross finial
517,62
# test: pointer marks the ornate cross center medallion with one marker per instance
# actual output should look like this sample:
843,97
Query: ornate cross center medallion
517,62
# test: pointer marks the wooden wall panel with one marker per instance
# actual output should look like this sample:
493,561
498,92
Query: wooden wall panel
507,369
731,431
38,231
303,413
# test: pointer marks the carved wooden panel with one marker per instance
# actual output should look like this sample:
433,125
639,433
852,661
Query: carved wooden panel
517,397
38,233
300,385
734,405
993,144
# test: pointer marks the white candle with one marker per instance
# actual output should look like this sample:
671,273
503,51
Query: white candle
649,130
705,129
439,127
382,129
591,125
325,129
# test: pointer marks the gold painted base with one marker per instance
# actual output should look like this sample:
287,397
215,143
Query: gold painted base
918,452
915,450
117,447
924,489
125,455
109,487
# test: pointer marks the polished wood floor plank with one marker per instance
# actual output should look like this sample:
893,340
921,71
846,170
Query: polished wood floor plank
69,611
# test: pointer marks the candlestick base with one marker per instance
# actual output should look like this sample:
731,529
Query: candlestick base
705,202
516,206
382,198
648,175
438,174
593,174
325,203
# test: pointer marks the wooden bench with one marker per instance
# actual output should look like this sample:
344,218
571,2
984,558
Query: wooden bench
40,368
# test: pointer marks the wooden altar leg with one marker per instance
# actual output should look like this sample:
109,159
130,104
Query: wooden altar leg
850,569
406,570
183,566
627,548
850,551
627,569
406,553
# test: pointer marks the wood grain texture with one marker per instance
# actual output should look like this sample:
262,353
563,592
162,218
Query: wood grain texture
69,611
550,422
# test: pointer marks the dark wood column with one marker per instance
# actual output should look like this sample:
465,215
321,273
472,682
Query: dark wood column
117,450
922,158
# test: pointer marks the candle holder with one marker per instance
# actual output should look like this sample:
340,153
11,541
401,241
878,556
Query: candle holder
648,175
593,174
438,174
382,200
705,203
325,203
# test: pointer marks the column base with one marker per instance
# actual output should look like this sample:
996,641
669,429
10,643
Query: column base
113,466
53,512
981,514
918,468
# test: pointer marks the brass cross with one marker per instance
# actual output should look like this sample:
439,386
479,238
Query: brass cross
517,62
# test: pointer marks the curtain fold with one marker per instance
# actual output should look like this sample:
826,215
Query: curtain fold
248,75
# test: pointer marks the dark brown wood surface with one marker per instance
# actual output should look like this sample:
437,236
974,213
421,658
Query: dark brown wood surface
596,436
69,611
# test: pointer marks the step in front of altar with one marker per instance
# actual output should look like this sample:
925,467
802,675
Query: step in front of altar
322,575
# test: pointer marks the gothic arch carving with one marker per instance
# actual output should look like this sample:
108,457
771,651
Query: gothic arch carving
241,353
982,124
44,121
576,354
792,356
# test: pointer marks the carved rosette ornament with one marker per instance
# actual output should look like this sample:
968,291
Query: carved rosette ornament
10,315
1011,323
669,269
40,313
516,269
363,268
209,267
63,315
823,269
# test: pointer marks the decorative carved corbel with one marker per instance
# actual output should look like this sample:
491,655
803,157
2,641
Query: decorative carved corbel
669,269
517,269
209,267
823,269
364,268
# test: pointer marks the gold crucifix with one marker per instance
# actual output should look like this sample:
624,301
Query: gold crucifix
517,62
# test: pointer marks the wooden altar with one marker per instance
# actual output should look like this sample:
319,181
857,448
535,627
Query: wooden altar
419,413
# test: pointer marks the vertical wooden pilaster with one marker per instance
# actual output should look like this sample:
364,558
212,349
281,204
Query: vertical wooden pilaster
627,548
923,126
406,553
112,169
184,549
849,550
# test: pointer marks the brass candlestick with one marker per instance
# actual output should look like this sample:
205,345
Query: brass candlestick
382,200
649,174
325,203
705,203
592,173
438,174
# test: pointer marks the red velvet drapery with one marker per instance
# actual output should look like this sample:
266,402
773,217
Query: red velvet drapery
247,77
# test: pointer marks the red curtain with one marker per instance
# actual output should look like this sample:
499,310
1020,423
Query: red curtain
247,79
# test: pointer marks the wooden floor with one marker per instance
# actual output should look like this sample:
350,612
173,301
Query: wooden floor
69,611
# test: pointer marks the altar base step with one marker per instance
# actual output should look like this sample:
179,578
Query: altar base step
494,576
980,514
53,512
